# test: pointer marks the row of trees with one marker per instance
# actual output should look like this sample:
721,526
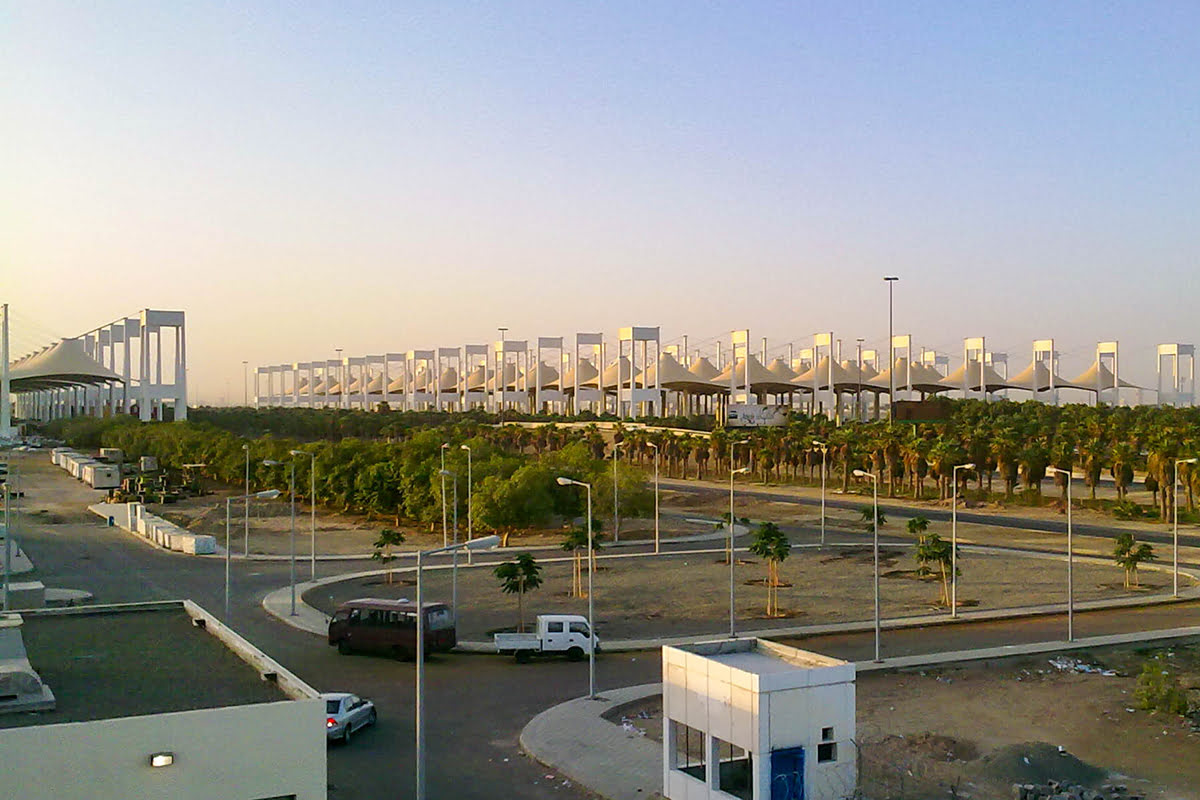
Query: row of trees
399,478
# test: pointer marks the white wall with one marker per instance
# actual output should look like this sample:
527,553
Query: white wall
236,753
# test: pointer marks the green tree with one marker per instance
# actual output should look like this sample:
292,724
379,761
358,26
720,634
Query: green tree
519,576
1129,553
917,526
771,544
935,550
385,548
868,516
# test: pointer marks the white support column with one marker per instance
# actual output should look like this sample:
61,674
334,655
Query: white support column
1044,353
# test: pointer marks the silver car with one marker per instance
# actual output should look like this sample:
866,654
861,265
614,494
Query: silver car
345,714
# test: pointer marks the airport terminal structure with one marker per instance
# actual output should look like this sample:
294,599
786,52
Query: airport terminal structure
128,366
635,375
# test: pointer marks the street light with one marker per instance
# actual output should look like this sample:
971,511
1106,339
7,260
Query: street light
454,570
1066,473
616,505
732,616
477,544
858,473
443,474
891,279
591,606
266,495
824,452
858,392
656,534
1175,537
470,530
246,548
954,539
312,501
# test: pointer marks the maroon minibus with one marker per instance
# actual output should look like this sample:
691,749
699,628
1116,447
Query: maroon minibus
371,625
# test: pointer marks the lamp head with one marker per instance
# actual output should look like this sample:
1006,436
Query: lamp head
891,277
446,473
245,447
740,471
445,445
270,462
968,466
466,447
269,494
818,444
298,453
565,481
859,473
1187,461
483,543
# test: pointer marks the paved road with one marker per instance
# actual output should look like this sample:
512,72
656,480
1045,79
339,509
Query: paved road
1186,535
477,705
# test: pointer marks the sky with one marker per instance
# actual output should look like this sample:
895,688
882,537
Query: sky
300,177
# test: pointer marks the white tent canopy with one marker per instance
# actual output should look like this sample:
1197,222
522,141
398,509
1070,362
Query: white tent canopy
62,365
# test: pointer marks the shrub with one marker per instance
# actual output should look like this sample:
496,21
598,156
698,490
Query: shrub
1158,689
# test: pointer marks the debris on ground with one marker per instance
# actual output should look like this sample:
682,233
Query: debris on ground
1068,664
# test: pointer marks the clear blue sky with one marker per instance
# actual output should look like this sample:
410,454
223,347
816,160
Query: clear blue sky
387,176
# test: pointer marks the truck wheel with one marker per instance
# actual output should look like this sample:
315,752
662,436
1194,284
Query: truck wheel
522,656
575,654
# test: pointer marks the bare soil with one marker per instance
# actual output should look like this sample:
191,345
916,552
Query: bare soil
973,731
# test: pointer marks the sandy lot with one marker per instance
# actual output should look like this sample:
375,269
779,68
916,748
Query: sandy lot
967,731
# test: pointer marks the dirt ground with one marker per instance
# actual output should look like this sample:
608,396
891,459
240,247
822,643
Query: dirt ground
973,731
673,595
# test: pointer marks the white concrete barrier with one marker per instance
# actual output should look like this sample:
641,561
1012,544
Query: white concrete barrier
134,518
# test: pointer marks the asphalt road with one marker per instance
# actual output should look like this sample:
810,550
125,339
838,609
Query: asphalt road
476,705
1186,536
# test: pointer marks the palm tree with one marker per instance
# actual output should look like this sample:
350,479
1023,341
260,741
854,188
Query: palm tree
517,577
1128,553
1006,449
1123,454
771,544
936,550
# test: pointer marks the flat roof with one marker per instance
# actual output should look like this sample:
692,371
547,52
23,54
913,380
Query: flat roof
131,663
760,656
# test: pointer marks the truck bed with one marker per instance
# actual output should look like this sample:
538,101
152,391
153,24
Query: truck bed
511,642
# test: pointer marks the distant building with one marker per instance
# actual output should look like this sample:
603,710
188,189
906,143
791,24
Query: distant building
159,700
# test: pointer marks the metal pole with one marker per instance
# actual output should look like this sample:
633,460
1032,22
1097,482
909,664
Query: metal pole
732,617
954,546
7,520
420,701
470,533
616,506
1070,570
246,547
891,360
228,505
1175,533
591,601
454,557
875,488
657,543
312,512
824,471
445,537
292,537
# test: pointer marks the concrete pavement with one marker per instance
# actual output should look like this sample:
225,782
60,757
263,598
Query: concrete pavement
574,739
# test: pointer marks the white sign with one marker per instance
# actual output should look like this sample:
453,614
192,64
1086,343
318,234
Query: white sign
752,415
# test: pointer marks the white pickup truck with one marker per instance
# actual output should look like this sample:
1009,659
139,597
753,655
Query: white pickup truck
556,634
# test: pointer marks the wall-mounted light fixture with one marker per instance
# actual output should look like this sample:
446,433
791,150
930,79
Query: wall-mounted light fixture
162,759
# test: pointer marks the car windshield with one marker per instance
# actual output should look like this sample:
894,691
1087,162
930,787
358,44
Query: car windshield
440,619
333,706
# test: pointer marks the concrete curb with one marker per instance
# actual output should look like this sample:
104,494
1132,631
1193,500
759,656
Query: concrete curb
278,604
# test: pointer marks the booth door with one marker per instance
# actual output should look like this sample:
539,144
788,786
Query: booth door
787,774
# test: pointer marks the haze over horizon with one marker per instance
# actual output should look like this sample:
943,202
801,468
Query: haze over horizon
386,177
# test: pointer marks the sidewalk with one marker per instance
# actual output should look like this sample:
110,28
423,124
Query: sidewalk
573,739
312,620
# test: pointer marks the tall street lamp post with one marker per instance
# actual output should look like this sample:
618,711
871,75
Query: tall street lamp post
454,554
824,452
1066,473
858,393
657,541
442,472
732,615
470,529
246,528
1175,536
954,539
267,495
591,594
477,544
616,504
891,279
875,508
312,502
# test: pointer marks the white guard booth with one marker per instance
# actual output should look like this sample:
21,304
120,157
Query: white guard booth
752,719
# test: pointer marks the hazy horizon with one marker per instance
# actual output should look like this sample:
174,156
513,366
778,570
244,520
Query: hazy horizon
390,177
